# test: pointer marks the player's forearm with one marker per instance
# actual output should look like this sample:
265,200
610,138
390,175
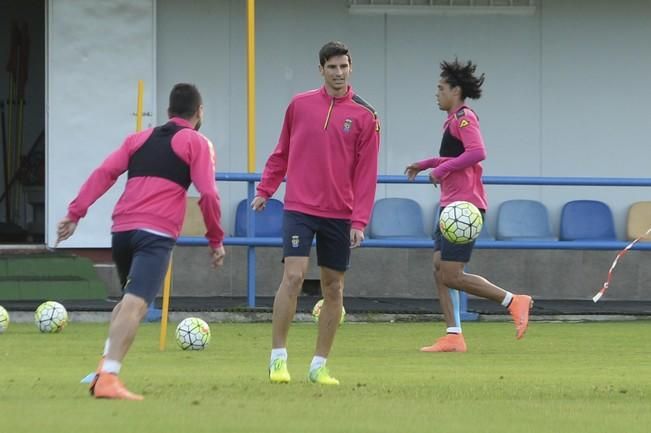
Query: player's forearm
272,176
468,158
211,211
428,163
100,181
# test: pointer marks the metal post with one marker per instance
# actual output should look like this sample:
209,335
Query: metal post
250,232
463,308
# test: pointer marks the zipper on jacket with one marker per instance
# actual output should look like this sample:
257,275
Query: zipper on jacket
332,104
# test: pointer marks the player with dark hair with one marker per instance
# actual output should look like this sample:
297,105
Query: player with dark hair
328,149
459,172
161,163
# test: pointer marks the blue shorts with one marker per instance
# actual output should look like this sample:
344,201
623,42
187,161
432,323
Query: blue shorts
452,252
332,239
141,259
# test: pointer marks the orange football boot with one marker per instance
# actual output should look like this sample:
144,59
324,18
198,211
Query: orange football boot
447,343
109,386
519,309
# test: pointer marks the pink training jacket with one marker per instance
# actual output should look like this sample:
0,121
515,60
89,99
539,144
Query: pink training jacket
151,202
328,149
460,175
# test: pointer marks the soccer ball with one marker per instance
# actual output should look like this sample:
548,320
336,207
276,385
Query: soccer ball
4,319
192,334
316,312
460,222
51,317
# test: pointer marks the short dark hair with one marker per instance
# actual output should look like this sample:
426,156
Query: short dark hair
332,49
463,75
185,100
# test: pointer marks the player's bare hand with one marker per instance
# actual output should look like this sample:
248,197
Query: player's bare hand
435,180
217,257
258,203
65,229
356,237
412,170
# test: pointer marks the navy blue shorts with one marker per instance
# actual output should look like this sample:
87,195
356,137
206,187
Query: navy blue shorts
332,239
141,259
452,252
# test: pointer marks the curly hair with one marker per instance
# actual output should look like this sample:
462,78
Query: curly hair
463,76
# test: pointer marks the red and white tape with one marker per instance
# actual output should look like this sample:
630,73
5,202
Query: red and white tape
612,267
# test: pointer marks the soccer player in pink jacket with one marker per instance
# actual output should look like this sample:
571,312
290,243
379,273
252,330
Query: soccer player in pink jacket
458,170
160,163
328,150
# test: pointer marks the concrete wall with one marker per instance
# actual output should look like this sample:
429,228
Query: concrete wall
549,109
545,274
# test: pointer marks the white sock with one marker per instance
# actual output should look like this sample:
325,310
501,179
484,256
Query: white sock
507,299
454,330
317,361
280,353
106,348
111,366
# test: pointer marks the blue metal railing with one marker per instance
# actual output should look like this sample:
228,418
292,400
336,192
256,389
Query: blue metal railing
252,242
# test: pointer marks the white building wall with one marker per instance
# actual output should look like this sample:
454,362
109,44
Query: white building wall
595,61
96,54
565,91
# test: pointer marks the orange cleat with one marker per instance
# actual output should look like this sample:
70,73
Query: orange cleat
447,343
108,385
519,309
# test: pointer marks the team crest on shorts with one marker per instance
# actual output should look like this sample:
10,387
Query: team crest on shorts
347,124
294,241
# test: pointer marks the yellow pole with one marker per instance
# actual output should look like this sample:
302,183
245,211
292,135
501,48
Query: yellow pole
165,308
141,90
250,77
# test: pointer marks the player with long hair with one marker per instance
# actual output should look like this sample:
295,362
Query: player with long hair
458,171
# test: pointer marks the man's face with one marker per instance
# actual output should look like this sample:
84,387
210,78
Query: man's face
446,96
336,72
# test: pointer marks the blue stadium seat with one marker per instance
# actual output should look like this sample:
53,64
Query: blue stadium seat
587,220
396,218
523,220
484,234
268,223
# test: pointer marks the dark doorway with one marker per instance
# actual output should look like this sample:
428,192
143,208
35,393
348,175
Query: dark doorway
22,121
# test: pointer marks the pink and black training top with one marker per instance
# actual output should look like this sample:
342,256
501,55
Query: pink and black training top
328,149
160,171
458,166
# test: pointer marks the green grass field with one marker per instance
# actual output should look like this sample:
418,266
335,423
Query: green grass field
560,378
